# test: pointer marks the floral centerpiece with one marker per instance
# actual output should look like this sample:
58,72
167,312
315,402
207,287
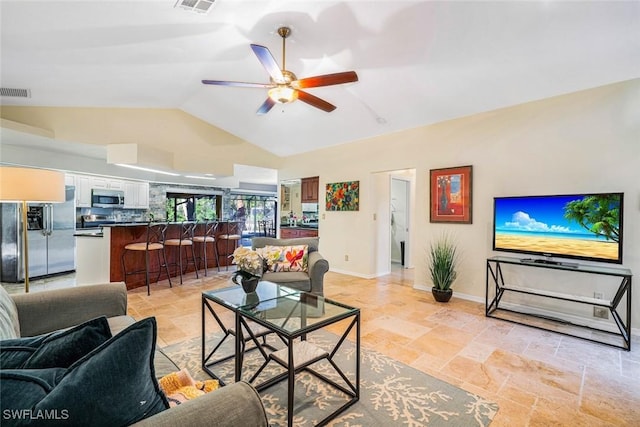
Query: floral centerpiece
251,265
249,261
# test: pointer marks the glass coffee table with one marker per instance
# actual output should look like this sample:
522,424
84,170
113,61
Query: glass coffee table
291,317
231,299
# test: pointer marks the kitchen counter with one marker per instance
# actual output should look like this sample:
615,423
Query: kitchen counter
92,256
127,224
291,232
100,257
305,226
89,232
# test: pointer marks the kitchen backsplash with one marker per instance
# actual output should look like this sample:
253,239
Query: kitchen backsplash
120,215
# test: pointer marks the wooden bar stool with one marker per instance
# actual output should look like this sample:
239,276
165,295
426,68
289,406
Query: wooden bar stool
153,243
184,241
205,233
232,233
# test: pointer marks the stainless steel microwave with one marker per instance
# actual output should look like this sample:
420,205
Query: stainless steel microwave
107,198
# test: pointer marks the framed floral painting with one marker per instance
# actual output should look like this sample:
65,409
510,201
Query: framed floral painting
450,195
343,196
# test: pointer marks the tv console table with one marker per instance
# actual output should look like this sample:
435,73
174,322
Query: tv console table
496,289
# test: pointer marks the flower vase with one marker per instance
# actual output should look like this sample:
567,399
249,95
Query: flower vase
248,281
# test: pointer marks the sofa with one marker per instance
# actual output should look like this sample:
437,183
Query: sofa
34,314
309,281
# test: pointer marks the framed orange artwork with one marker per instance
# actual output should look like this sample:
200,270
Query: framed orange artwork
450,195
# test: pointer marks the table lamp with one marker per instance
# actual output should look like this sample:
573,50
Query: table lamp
22,185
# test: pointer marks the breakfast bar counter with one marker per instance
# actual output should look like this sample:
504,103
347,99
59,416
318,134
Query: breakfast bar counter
99,259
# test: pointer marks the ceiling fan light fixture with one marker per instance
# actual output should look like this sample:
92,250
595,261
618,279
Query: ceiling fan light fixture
284,86
283,94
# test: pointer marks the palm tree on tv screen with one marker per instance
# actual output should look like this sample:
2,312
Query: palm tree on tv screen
599,214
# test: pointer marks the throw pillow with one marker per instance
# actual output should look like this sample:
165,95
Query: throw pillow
180,387
9,323
113,385
58,349
287,258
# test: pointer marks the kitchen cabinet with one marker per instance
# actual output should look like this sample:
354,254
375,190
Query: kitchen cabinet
143,195
83,191
310,189
136,195
294,232
285,197
107,183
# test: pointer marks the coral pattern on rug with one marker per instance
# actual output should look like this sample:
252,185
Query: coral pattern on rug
391,393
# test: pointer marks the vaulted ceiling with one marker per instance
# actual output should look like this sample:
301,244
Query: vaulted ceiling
418,62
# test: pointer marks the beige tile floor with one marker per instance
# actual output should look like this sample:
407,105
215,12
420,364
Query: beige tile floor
538,378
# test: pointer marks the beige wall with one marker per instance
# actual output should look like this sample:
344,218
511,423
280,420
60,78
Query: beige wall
583,142
209,149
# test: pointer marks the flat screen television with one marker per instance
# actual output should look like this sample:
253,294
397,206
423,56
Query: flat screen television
575,226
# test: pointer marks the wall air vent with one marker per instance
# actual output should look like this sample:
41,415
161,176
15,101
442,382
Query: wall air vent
16,93
197,6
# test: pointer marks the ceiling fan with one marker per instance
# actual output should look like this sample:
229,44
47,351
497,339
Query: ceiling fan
285,86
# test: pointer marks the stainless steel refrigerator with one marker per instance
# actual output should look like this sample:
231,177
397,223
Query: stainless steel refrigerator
50,230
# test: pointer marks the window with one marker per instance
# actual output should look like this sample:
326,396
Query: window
192,207
251,209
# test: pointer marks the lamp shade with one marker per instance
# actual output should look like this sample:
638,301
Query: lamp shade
283,94
31,185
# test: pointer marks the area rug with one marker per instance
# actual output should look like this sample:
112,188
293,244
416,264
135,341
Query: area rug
391,393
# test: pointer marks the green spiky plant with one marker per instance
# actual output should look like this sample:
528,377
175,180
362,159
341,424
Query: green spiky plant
443,259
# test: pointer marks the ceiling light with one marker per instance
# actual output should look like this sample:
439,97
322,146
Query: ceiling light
283,94
147,169
199,177
197,6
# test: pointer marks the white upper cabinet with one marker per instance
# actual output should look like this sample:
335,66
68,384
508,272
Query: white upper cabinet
136,195
83,189
107,183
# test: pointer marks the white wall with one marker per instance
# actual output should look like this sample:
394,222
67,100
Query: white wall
583,142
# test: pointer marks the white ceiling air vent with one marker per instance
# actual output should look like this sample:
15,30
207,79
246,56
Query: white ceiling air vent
197,6
16,93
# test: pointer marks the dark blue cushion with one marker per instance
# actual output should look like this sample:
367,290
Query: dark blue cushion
58,349
14,356
114,385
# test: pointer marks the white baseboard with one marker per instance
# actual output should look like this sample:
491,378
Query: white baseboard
351,273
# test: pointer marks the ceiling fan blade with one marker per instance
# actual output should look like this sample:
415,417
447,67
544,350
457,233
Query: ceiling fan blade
315,101
266,106
268,62
240,84
326,80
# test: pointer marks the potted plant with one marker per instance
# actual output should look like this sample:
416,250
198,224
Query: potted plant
443,260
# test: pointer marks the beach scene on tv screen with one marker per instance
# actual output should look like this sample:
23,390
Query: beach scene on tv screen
576,226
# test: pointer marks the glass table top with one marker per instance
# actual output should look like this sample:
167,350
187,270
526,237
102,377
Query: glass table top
297,312
234,297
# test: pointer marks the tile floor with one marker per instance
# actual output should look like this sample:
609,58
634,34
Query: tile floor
538,378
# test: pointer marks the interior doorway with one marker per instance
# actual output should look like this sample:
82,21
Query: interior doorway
399,206
393,207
